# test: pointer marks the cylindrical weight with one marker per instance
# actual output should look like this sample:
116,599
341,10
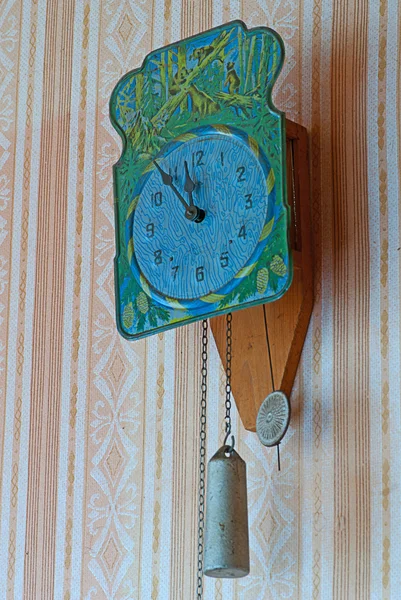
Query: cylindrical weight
226,525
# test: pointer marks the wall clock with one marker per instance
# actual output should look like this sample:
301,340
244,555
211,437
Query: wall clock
203,229
200,191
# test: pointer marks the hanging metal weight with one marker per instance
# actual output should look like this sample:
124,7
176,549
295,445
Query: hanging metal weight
226,527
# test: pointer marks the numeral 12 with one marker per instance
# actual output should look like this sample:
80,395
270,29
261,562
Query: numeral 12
197,158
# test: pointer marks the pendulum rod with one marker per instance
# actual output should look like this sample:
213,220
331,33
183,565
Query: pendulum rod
202,461
269,351
272,377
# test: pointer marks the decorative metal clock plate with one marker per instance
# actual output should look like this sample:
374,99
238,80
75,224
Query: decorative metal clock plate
200,195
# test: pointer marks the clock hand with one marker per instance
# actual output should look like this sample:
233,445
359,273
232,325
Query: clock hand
192,212
168,180
189,185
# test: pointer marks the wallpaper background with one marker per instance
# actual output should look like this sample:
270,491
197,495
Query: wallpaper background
98,437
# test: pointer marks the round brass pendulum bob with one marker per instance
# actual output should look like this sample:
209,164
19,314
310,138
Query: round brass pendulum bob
226,526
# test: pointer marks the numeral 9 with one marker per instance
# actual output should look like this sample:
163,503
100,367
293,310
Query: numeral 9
150,230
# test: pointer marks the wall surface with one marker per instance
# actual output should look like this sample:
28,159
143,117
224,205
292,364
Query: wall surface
98,437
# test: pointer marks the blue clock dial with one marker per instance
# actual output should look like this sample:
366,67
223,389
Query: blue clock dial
184,259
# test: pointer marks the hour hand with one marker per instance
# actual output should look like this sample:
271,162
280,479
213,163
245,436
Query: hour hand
189,185
166,177
168,180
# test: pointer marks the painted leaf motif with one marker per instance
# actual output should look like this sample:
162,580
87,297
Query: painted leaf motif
267,229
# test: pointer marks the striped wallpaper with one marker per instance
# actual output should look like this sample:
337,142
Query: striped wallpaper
98,436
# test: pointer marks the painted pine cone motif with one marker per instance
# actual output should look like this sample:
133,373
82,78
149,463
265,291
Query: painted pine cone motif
128,315
262,279
142,303
273,419
278,266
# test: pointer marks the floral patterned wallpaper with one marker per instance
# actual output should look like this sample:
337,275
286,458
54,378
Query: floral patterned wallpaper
99,437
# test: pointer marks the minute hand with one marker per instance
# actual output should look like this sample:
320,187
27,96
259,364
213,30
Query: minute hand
168,180
189,185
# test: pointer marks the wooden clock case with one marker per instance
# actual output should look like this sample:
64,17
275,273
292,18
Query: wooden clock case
278,327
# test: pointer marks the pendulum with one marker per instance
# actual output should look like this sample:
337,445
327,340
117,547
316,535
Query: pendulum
273,416
226,526
273,420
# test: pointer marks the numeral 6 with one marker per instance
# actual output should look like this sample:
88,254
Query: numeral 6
224,259
200,273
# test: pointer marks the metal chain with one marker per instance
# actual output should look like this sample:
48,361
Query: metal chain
228,373
202,461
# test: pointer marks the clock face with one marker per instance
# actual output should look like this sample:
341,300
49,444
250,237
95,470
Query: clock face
186,260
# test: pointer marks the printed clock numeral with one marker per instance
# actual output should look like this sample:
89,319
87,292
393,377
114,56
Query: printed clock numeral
200,274
242,232
240,174
248,203
197,158
150,230
157,199
158,257
224,259
175,271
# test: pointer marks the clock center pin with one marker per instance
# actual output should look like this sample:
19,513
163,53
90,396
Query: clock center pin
195,214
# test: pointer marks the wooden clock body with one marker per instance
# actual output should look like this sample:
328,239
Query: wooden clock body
287,319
